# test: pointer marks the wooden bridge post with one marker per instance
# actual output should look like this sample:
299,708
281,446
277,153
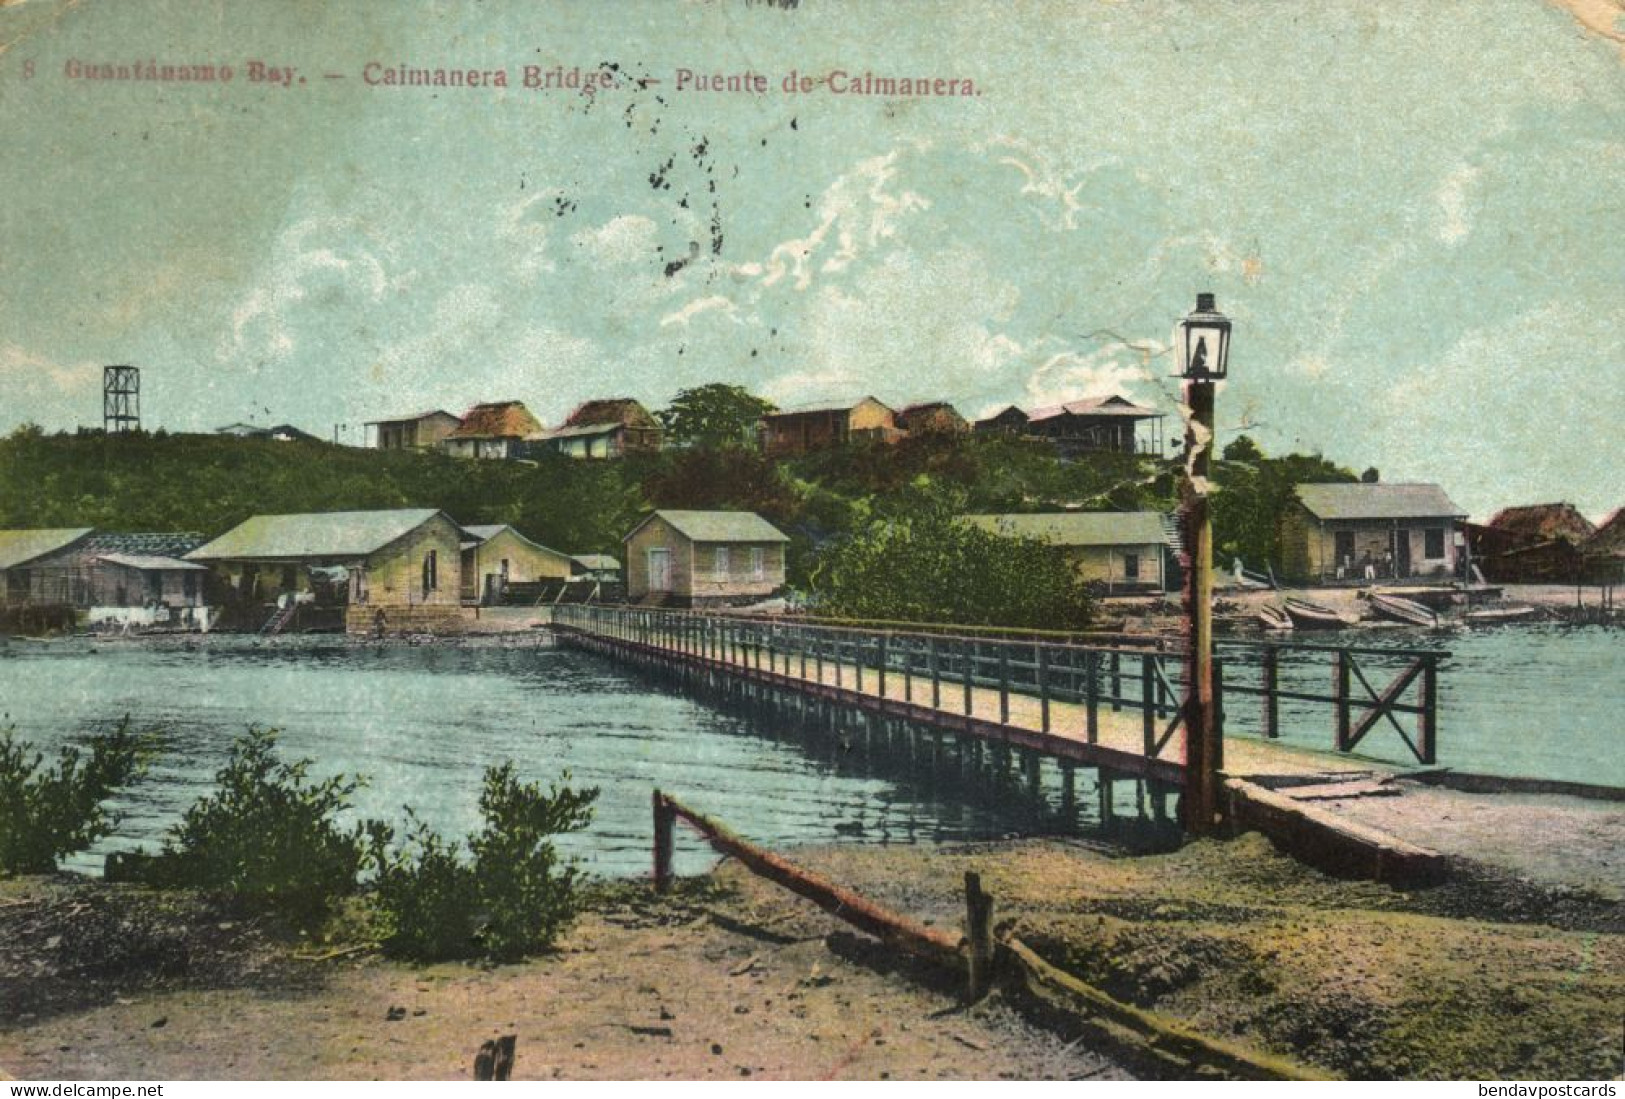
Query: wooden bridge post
1272,700
970,673
1427,728
908,669
936,676
880,663
1148,693
1340,696
1091,680
664,820
1117,681
978,936
1004,683
1069,792
1042,654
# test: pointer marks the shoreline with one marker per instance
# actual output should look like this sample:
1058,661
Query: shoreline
1485,976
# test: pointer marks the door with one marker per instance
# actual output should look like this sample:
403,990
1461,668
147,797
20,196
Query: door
660,569
1402,553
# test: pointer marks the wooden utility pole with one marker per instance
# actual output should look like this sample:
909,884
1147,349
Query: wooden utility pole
1201,801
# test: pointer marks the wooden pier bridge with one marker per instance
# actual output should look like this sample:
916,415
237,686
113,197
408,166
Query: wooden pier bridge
1114,703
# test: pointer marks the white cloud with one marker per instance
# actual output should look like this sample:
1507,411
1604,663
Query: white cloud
1049,186
1456,217
713,304
629,238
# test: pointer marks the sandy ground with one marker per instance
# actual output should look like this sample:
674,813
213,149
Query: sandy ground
724,984
1487,976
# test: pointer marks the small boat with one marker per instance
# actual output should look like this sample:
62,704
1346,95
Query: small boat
1273,618
1313,616
1396,609
1495,616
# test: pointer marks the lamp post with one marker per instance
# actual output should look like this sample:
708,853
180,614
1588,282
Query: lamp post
1202,346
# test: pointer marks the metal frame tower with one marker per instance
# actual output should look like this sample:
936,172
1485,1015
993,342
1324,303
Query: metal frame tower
121,399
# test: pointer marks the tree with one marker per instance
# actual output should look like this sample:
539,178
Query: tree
934,567
1371,476
1243,449
714,415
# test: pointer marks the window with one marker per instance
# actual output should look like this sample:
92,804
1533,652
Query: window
758,563
1433,544
431,571
722,563
1131,566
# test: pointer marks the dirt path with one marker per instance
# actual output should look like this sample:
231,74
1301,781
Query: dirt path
721,984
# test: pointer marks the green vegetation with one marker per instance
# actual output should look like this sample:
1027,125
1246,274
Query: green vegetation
513,899
267,838
933,567
824,500
49,812
714,415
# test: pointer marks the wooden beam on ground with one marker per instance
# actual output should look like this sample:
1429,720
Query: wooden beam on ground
1329,842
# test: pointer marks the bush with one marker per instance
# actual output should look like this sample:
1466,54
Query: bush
48,813
514,899
267,838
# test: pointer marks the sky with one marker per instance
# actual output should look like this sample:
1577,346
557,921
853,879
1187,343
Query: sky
1410,210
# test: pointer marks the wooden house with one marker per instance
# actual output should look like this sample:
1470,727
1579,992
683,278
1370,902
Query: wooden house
1532,544
384,559
419,431
607,428
1605,550
1112,424
500,429
1009,421
497,557
931,418
699,558
282,433
812,427
1122,550
1358,531
125,579
24,568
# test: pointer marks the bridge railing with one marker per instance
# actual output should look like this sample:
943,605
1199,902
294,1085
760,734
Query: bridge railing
944,672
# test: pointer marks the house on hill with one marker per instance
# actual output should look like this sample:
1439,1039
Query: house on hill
1532,544
607,428
350,564
1009,421
499,429
812,427
931,418
1112,424
704,558
282,433
1362,531
1124,550
497,556
419,431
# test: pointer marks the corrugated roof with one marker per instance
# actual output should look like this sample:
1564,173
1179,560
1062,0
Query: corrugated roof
1560,520
498,420
719,526
487,531
18,547
150,561
581,430
413,418
1115,405
343,534
1079,528
1358,500
823,406
597,562
144,544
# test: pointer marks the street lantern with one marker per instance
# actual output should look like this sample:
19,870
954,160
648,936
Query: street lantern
1202,342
